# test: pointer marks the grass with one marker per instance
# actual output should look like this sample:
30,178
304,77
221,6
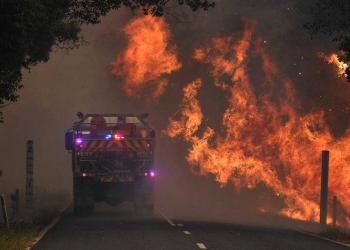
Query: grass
337,234
46,208
17,238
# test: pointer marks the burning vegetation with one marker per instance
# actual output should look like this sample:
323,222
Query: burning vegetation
147,58
263,139
335,59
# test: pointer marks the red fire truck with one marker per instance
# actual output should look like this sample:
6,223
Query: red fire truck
112,161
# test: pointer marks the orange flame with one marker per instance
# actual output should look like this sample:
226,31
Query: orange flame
334,59
265,140
147,58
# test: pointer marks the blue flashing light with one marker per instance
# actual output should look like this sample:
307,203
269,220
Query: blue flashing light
108,137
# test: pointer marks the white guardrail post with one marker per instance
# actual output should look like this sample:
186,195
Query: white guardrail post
4,211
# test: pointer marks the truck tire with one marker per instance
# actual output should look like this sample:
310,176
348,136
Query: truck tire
84,195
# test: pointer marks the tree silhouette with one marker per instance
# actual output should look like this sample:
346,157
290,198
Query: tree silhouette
30,29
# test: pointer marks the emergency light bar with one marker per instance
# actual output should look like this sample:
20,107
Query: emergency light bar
118,137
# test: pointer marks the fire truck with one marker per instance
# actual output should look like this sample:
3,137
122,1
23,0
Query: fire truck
112,161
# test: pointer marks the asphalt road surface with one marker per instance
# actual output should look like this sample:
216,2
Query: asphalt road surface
107,229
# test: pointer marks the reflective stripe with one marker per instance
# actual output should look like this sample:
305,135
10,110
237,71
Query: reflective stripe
110,143
136,143
128,145
119,143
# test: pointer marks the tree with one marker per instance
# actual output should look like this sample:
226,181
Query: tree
30,29
331,17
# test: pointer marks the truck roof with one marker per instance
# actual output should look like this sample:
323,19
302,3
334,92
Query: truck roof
110,120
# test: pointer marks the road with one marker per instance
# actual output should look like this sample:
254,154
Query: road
107,229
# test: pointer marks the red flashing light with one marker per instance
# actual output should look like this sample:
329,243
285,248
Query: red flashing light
118,137
84,174
146,174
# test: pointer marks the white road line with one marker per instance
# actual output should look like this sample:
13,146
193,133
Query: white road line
47,228
315,235
180,225
165,217
201,246
186,232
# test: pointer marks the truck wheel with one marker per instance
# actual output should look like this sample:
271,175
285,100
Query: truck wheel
84,195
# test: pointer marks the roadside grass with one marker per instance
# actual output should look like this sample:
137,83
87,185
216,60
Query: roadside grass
47,206
17,238
337,234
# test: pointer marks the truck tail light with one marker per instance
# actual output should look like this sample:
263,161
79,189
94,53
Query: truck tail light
150,174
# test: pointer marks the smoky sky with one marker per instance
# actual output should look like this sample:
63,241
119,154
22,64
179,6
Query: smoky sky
81,81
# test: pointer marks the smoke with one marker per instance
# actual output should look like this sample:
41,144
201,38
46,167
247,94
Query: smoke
298,69
81,81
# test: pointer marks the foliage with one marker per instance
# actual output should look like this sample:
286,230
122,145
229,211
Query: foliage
331,17
29,29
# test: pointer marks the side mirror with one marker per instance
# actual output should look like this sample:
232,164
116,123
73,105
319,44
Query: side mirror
70,141
144,116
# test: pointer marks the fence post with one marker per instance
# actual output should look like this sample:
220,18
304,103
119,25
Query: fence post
324,189
334,211
3,205
15,205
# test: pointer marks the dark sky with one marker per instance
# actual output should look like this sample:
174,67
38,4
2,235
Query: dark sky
80,81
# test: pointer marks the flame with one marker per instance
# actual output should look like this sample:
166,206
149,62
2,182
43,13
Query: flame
147,57
265,140
335,59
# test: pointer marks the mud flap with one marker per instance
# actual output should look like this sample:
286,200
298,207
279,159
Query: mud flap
84,195
144,197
